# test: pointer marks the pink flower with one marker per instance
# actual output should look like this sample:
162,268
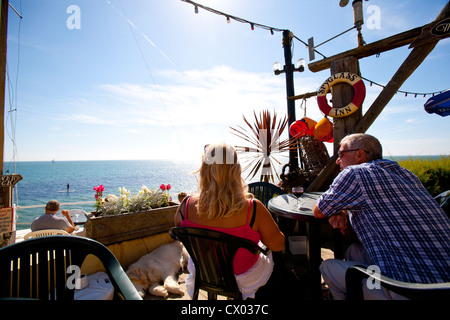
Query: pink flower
162,187
100,188
168,187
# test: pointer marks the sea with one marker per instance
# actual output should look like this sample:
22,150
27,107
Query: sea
47,180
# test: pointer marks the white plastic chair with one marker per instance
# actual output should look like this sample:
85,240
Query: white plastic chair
44,233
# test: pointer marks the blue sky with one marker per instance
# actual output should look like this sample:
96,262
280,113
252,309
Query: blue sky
151,79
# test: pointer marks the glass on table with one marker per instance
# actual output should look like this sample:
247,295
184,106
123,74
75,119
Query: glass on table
298,192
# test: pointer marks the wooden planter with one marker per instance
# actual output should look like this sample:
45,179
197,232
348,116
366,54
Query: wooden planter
128,226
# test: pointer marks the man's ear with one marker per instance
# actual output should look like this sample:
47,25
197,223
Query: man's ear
361,156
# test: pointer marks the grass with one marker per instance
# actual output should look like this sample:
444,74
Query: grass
433,173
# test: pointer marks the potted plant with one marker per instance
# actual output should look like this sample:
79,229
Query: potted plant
127,217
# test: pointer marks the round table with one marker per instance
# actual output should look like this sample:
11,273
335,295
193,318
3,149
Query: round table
77,220
285,206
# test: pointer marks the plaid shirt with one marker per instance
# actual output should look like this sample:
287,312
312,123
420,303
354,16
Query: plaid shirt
401,227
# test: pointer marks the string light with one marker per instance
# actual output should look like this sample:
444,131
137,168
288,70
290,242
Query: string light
273,29
405,92
252,24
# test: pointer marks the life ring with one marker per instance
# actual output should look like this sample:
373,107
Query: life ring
345,77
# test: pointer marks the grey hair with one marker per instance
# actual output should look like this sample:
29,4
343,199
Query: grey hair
366,142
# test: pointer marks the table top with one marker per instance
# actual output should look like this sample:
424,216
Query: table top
286,205
80,219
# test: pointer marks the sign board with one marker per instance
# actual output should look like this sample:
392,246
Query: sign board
7,220
442,28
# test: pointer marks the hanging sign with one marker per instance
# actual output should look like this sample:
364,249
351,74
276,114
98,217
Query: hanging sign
7,220
341,77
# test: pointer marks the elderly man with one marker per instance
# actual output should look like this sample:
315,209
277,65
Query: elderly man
402,229
49,220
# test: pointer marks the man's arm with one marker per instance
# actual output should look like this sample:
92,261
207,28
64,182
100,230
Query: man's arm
337,221
66,214
317,213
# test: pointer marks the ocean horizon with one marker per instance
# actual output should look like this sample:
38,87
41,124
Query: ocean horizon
46,180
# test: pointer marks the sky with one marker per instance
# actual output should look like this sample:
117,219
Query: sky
151,79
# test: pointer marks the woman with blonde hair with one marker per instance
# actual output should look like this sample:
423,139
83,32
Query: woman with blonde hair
223,204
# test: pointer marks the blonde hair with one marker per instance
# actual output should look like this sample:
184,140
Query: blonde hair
223,192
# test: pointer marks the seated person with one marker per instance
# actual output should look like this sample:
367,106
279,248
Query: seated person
49,220
223,204
403,232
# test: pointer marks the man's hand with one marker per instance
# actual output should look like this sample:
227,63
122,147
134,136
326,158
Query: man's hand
339,221
65,213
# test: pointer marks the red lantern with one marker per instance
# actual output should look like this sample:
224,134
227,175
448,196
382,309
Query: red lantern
298,128
311,125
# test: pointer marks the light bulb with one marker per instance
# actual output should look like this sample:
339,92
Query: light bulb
301,63
277,66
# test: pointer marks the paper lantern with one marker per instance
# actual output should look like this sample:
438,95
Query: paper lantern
323,130
298,129
311,125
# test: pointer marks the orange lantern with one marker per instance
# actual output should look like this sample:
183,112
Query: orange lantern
298,129
323,130
311,124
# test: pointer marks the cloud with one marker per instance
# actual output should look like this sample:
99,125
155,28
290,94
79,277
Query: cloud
194,97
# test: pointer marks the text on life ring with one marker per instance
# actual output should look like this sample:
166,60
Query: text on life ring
342,77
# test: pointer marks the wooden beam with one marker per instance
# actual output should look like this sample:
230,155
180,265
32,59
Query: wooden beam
415,58
303,96
367,50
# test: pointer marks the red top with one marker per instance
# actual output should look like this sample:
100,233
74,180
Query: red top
244,259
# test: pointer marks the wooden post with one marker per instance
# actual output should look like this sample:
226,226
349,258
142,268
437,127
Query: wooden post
342,94
3,35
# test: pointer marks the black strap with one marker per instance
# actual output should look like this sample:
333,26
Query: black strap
183,205
254,214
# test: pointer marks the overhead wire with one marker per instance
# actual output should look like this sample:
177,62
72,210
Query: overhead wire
272,29
133,26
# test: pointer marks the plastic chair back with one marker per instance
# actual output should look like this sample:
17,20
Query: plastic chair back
423,291
44,233
264,191
212,253
39,268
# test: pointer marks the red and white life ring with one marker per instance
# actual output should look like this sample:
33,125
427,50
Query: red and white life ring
345,77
